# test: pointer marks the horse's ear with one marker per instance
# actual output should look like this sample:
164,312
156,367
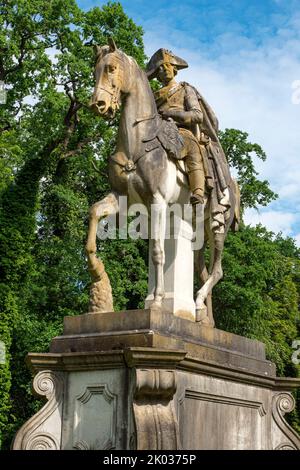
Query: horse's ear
112,45
97,50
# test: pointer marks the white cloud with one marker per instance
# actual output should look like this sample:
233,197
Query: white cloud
275,221
250,88
297,238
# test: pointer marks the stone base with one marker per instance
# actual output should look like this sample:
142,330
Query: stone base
143,380
178,268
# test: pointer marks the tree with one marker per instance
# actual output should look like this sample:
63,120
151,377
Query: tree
240,154
259,296
47,144
258,293
50,145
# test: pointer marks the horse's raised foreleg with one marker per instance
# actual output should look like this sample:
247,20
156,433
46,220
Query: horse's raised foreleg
216,273
107,206
158,229
101,295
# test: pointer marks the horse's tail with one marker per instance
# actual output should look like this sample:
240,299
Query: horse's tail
237,207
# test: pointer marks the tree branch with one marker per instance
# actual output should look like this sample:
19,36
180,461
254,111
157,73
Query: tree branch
20,58
79,147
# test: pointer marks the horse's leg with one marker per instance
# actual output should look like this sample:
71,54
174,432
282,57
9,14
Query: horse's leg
101,299
158,228
217,245
205,314
107,206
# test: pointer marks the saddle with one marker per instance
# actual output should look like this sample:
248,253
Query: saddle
169,137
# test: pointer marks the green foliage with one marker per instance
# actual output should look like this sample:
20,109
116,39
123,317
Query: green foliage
128,277
240,154
48,141
10,158
259,293
50,145
259,296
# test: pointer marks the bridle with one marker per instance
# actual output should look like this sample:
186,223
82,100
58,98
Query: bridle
115,92
114,99
130,165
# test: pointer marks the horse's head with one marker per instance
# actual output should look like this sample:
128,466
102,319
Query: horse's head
109,75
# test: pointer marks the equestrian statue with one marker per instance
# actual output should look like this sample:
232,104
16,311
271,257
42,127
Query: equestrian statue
167,143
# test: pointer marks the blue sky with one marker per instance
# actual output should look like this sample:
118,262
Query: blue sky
244,56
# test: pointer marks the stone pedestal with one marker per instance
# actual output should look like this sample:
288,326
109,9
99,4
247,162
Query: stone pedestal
140,380
179,265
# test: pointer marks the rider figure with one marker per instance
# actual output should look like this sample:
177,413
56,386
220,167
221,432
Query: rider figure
180,102
204,159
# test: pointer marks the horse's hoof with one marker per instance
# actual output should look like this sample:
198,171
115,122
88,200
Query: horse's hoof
201,313
156,306
205,322
202,316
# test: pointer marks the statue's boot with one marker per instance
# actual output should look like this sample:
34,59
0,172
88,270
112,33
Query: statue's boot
194,165
197,181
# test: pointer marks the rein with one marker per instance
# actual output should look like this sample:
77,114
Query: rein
113,94
130,165
106,91
143,119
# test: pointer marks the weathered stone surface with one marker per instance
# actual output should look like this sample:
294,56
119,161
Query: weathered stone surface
148,398
153,409
178,269
146,328
206,390
44,431
138,320
153,136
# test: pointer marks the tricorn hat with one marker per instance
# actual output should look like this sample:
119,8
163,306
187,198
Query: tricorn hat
163,56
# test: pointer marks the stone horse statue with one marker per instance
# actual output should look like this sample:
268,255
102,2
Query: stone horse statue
145,172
